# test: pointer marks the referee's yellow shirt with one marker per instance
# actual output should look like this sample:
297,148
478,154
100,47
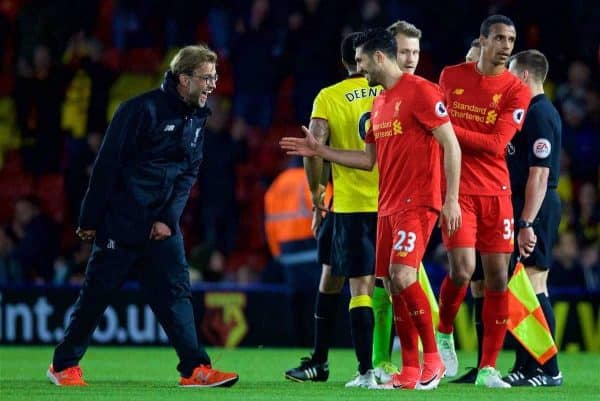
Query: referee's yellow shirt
347,108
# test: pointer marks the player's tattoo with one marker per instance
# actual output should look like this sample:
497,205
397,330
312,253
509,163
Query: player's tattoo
320,129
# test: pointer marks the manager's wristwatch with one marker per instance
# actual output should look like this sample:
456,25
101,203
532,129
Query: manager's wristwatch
524,224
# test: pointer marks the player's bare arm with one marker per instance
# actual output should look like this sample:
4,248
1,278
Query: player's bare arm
309,146
451,214
314,165
535,191
315,173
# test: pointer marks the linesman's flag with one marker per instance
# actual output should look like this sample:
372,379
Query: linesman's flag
526,319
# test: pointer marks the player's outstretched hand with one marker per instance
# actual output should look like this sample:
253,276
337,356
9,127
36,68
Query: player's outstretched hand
526,239
306,146
451,217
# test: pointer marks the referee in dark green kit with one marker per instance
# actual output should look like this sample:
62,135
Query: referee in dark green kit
140,184
534,164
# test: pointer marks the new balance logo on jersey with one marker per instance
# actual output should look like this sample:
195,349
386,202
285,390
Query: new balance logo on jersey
458,91
169,128
111,244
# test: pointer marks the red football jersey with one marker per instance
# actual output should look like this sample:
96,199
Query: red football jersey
486,111
408,155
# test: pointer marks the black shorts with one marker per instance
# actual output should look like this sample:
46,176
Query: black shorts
353,245
545,227
478,273
324,237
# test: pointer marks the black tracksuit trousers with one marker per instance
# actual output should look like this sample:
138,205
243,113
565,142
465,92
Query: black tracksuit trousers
165,278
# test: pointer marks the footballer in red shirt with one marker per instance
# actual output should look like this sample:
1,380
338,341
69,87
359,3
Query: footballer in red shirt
409,122
487,106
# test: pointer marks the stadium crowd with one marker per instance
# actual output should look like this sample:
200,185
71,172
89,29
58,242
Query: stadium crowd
65,67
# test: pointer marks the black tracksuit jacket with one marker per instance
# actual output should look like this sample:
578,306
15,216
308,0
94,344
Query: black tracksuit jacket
146,166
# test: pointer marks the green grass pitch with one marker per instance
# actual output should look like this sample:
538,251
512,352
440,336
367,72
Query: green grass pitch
126,373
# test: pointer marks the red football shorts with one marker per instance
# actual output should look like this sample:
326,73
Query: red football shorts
487,224
402,238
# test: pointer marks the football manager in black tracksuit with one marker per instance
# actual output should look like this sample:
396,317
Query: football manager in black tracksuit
139,186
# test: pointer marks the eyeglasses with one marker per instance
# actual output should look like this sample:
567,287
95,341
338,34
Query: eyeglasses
207,78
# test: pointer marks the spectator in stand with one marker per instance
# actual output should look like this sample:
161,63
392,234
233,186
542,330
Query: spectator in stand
224,149
39,94
587,215
370,14
181,18
131,24
71,270
254,62
36,246
565,182
590,261
581,139
79,170
32,24
10,271
312,66
85,52
576,100
577,86
219,24
566,270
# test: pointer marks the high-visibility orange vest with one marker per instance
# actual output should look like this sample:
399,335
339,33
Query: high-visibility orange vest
288,209
526,319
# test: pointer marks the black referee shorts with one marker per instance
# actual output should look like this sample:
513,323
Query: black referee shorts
545,227
478,273
353,245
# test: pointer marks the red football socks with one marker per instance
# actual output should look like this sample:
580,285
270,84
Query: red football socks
494,316
451,297
406,330
420,313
